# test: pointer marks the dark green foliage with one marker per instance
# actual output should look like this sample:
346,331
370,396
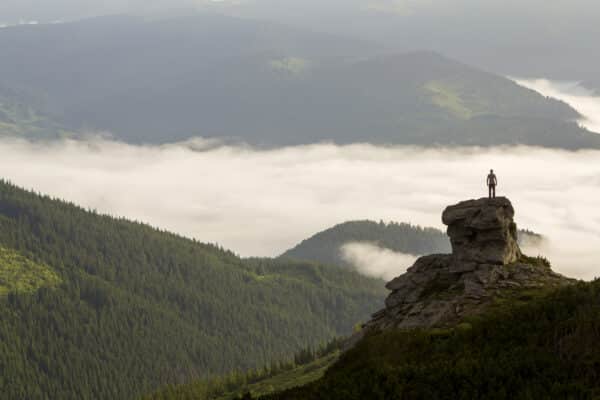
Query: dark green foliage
325,246
544,348
306,366
138,308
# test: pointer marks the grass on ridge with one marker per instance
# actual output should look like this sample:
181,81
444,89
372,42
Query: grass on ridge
20,274
298,376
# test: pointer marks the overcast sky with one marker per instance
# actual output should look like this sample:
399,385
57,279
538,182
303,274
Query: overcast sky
535,10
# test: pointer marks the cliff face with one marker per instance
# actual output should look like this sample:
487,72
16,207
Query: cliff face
486,262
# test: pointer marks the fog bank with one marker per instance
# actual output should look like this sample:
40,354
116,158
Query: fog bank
375,261
263,202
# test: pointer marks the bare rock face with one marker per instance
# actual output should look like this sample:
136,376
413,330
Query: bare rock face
483,231
486,263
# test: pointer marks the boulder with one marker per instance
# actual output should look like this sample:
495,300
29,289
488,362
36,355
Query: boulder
483,231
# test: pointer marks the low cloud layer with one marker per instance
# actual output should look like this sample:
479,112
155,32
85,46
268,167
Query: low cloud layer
263,202
585,101
375,261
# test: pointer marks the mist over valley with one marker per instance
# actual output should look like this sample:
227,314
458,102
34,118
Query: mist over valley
262,202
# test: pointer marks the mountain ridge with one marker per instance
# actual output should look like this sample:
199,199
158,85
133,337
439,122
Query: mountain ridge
285,87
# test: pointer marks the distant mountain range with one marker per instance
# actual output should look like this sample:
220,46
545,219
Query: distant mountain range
524,39
157,81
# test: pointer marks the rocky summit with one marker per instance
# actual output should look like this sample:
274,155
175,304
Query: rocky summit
483,231
486,263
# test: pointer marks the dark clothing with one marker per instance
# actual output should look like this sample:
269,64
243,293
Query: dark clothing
492,181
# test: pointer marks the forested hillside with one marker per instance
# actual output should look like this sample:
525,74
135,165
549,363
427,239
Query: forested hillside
400,237
92,307
536,344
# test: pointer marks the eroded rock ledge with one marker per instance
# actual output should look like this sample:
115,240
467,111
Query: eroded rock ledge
440,289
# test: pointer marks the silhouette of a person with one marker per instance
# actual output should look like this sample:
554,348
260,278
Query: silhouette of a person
492,181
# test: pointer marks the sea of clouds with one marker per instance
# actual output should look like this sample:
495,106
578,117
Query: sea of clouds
261,202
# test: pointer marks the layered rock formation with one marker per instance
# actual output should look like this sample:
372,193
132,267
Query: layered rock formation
483,231
486,262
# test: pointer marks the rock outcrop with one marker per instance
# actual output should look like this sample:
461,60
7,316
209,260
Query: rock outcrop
483,231
486,262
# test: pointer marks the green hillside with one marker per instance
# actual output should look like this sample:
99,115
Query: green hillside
307,366
535,346
118,309
325,246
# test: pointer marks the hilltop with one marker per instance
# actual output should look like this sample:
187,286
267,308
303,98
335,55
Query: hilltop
324,247
483,322
93,307
486,263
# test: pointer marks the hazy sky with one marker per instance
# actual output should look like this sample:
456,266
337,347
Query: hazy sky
561,11
263,202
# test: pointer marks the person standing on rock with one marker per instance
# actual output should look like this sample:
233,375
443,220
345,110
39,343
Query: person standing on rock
492,181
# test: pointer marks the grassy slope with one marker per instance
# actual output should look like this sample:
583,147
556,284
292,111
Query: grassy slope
236,386
299,376
20,274
448,98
